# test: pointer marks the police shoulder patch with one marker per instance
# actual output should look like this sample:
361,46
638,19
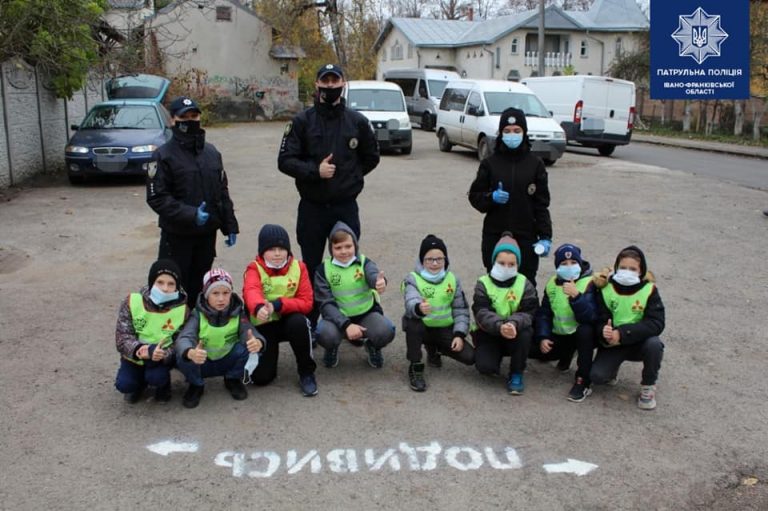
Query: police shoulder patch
531,188
353,143
288,128
152,169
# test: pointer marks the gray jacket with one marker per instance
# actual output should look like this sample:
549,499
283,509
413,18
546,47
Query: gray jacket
490,322
324,299
459,306
190,334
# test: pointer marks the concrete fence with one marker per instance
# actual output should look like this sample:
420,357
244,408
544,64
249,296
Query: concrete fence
34,123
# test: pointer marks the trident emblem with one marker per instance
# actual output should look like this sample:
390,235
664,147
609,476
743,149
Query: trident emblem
699,36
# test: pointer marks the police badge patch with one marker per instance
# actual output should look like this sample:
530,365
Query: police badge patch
152,169
353,143
531,188
288,128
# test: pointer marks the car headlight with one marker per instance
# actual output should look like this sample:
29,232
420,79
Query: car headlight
143,148
405,123
76,149
558,135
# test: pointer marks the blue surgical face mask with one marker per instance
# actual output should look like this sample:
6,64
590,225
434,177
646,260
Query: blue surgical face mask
343,265
503,273
512,140
626,277
569,272
159,297
432,277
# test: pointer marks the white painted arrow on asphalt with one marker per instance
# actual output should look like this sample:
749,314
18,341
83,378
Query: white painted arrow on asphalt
167,447
580,468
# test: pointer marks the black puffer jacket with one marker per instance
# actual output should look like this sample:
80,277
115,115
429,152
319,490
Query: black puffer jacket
318,132
190,171
524,176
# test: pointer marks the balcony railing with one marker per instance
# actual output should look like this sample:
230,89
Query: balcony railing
551,59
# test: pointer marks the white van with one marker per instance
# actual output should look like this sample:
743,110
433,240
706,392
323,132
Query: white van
469,116
384,105
423,89
594,111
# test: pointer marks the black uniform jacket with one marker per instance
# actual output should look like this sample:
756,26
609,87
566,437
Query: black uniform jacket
322,130
190,171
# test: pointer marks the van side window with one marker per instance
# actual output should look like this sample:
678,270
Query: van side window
423,89
407,84
475,104
454,99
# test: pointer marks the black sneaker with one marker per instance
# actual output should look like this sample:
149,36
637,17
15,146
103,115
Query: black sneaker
308,385
236,388
192,396
579,391
416,376
564,366
375,358
434,359
331,357
134,397
163,394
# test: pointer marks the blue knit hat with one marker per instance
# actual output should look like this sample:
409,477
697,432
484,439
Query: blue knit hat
568,251
507,244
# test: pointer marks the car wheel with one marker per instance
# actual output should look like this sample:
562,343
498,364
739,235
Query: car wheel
407,149
444,143
76,180
606,150
483,149
548,161
426,122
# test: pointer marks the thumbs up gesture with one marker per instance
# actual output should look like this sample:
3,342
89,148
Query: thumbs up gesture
253,344
499,196
425,308
381,282
265,312
327,169
198,355
201,216
569,288
611,335
159,353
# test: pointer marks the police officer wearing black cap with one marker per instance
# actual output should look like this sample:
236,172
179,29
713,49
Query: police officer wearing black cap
328,149
187,188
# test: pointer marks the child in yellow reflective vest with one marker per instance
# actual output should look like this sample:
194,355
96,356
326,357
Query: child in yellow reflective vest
504,304
564,323
146,324
630,320
218,340
347,286
436,313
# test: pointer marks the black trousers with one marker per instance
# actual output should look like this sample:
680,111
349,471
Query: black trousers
608,360
293,328
581,341
530,261
193,254
439,339
314,224
489,350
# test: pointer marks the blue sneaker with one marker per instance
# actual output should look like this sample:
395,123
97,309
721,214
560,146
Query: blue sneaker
331,357
308,385
515,384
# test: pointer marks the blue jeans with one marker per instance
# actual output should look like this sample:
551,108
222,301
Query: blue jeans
231,366
133,377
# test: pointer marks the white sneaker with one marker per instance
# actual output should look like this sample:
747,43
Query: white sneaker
647,398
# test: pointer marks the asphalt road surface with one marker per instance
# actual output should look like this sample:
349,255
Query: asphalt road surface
68,255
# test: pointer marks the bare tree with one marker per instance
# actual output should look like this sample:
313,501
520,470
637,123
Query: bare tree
450,9
407,8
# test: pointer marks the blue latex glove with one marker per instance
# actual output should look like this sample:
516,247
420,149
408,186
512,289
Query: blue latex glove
499,196
202,215
542,247
231,240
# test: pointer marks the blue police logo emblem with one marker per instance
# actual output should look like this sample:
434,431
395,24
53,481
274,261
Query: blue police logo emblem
699,35
569,255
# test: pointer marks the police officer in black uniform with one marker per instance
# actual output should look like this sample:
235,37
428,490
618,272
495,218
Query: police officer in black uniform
187,188
328,149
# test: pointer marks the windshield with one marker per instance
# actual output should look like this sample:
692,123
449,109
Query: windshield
436,87
499,101
122,117
136,86
376,100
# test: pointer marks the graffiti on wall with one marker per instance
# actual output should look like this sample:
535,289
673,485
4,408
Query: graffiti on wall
265,97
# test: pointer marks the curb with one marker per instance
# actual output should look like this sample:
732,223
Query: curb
722,149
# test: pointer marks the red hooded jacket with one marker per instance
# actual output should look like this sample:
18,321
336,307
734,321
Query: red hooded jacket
253,292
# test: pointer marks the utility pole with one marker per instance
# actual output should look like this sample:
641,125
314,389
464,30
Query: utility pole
541,37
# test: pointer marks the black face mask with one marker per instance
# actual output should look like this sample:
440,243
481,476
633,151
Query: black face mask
188,127
329,94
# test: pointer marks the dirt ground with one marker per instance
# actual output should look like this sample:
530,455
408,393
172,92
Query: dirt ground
68,255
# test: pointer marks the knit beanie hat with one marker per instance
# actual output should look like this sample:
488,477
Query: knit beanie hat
216,277
164,266
634,252
430,242
568,251
272,235
507,244
513,116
